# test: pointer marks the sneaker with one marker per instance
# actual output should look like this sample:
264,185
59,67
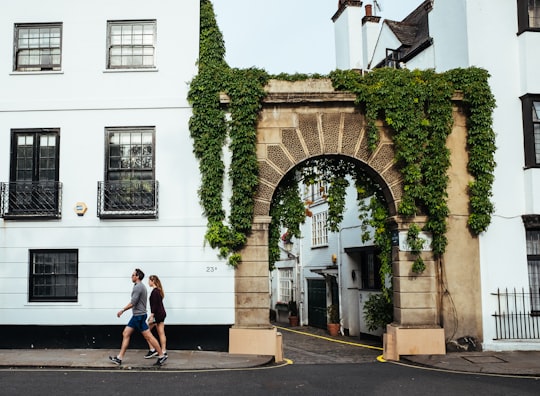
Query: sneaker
115,360
160,360
151,354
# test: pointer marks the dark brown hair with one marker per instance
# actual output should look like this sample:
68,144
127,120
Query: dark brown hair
157,283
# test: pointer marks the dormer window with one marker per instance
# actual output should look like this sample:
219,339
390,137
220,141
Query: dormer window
392,58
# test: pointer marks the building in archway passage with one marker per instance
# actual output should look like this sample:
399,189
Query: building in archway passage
501,37
324,268
94,153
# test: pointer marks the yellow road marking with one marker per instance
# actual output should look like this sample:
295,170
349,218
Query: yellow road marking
331,339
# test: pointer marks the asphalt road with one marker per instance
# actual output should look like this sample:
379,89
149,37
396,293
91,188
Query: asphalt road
316,367
297,379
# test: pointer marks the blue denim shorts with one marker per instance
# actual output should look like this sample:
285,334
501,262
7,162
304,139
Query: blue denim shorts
138,323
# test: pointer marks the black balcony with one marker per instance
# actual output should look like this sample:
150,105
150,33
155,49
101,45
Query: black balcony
127,199
31,200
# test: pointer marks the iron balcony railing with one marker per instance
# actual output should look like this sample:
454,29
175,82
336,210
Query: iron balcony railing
29,199
518,315
127,199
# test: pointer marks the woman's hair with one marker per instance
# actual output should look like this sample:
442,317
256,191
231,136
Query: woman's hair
157,283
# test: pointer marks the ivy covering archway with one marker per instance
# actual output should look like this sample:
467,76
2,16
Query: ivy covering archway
415,105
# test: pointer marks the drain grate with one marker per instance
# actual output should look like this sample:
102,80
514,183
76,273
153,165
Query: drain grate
484,359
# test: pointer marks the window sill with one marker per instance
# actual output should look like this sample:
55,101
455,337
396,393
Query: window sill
152,70
48,304
26,73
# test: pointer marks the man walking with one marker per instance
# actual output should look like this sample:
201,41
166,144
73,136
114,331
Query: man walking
138,320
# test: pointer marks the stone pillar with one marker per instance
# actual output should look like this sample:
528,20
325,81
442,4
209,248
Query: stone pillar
252,332
416,328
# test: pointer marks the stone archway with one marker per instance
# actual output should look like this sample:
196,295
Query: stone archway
300,120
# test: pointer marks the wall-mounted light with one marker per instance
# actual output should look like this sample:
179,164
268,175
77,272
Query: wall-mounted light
288,246
334,259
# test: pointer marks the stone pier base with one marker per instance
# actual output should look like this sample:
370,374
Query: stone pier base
412,341
256,341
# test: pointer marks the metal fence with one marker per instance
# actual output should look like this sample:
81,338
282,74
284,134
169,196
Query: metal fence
518,315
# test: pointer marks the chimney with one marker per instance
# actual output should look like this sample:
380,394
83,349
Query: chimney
369,10
370,34
348,35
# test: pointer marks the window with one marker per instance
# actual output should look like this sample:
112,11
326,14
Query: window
53,275
38,47
131,44
528,15
285,276
392,58
531,129
370,267
33,189
533,264
129,188
316,193
319,231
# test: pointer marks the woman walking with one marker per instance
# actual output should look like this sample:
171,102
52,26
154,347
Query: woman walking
157,315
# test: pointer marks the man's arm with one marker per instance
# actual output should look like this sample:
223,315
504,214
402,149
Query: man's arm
126,308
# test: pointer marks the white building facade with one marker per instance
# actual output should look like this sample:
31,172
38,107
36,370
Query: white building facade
96,164
502,37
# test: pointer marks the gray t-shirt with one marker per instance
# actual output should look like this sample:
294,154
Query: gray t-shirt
138,299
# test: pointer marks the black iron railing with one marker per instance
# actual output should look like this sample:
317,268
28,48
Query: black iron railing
21,200
518,315
127,199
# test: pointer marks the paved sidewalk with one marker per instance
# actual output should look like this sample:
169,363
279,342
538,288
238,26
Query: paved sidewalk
133,360
515,363
309,345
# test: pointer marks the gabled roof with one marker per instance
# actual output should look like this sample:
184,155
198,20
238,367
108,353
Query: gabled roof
413,31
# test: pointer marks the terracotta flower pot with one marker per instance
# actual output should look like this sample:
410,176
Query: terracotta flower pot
333,329
293,321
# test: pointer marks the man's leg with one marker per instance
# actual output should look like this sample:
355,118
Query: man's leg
150,327
126,335
149,337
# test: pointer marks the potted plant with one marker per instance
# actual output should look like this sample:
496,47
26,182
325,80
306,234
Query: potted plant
378,311
333,324
293,313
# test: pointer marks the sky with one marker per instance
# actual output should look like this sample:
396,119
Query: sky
288,36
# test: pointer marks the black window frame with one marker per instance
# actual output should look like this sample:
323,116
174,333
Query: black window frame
128,130
39,67
532,225
54,275
392,58
34,189
111,45
529,145
129,189
371,277
523,17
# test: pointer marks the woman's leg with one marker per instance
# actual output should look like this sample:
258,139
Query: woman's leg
162,337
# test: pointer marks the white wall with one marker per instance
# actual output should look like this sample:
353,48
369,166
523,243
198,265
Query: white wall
81,101
387,39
